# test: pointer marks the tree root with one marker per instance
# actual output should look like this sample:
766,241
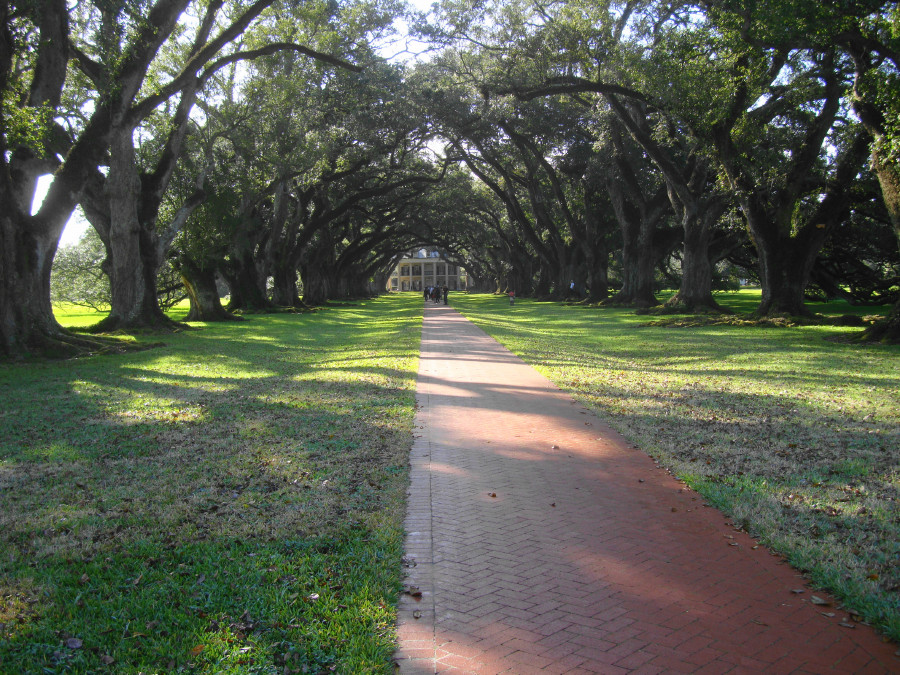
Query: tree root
67,345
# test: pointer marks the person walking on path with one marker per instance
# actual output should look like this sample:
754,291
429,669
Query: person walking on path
540,541
446,291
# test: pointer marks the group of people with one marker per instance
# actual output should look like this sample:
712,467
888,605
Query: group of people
436,293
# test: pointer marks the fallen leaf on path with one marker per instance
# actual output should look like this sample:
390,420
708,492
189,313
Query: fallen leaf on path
816,600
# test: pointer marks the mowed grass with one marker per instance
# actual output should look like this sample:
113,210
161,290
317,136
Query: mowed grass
230,502
796,437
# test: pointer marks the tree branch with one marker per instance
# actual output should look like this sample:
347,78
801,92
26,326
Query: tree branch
568,85
143,108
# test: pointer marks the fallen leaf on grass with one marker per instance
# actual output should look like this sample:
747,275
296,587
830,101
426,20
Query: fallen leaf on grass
74,643
107,659
196,650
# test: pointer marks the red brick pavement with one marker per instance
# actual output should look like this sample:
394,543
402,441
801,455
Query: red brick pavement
539,541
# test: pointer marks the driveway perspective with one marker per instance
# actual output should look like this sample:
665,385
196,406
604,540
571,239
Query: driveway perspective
540,541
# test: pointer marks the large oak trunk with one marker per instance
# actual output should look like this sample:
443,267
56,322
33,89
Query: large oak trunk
27,324
248,291
134,258
315,285
637,266
784,274
284,290
695,293
203,292
888,173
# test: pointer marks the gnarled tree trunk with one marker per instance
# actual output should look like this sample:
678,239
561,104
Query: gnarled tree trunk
200,282
134,261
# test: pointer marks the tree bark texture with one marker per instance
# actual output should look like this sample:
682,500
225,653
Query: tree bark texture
134,260
637,226
203,292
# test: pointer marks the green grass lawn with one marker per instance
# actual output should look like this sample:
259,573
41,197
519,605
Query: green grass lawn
230,502
796,437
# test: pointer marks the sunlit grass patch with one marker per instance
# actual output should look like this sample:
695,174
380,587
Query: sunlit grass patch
77,316
795,436
177,509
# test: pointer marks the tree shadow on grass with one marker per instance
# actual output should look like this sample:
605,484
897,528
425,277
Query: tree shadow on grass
795,437
159,515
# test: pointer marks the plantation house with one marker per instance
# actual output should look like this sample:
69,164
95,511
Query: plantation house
420,269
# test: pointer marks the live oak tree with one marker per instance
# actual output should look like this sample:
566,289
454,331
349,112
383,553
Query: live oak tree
114,47
139,241
35,42
874,46
724,75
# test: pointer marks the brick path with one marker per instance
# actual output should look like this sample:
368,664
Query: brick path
539,541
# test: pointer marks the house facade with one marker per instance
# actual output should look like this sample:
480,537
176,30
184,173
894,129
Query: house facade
422,268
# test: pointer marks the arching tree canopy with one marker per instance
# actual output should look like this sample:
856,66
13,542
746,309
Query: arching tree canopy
274,147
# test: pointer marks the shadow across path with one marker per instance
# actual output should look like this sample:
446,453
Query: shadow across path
539,541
